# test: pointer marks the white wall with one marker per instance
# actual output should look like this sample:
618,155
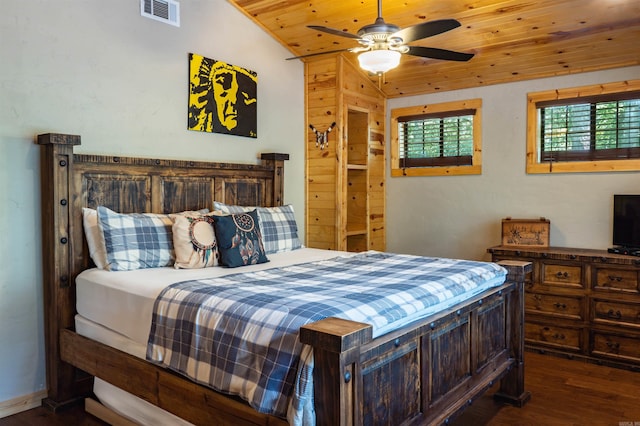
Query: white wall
460,216
100,70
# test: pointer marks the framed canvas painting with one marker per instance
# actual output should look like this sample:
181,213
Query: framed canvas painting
222,97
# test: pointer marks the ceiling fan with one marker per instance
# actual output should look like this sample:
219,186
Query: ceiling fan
382,44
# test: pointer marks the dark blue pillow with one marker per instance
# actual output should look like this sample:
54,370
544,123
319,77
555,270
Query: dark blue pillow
239,239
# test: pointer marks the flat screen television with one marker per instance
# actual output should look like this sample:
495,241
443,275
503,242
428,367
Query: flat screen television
626,221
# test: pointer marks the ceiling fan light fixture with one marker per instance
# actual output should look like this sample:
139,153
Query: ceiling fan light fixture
379,61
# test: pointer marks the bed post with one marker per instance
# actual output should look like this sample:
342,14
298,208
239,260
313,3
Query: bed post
277,161
512,389
336,342
56,164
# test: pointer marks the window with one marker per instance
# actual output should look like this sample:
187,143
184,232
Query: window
440,139
594,128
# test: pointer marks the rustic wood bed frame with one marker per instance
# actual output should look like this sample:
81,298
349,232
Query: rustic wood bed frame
424,373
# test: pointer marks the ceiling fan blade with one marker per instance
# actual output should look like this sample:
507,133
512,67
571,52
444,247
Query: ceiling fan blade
431,52
333,31
318,53
425,29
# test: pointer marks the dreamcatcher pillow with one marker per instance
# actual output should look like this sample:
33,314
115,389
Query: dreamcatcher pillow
277,225
239,239
194,241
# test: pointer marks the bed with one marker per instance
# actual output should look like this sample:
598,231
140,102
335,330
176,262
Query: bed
424,372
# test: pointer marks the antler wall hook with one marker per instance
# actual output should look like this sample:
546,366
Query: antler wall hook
322,138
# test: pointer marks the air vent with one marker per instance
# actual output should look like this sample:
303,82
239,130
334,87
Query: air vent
167,11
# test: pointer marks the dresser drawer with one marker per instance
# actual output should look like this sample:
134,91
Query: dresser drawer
615,313
561,275
554,305
557,336
620,347
615,279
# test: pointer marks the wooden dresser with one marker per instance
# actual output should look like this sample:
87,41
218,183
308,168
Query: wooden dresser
581,303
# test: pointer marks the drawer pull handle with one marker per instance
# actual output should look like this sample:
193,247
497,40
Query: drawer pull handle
561,274
558,336
615,278
560,305
614,346
614,315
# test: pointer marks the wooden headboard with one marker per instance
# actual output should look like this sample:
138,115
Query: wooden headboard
71,181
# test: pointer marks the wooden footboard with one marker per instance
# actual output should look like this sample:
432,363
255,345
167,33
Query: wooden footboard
425,373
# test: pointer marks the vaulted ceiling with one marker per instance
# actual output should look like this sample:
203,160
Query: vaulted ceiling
512,39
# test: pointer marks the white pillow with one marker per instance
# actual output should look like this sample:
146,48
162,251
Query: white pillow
95,238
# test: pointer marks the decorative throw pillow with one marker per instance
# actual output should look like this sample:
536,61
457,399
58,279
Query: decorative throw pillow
95,239
194,240
278,226
239,239
136,240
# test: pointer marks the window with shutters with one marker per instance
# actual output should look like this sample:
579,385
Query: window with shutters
593,128
439,139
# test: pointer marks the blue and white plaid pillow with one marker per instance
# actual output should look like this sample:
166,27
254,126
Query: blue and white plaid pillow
136,240
278,225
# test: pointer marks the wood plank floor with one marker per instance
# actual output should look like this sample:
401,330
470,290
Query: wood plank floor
564,393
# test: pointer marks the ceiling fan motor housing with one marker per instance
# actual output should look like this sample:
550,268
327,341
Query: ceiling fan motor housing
378,31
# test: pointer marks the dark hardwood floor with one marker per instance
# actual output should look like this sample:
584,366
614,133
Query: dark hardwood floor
564,393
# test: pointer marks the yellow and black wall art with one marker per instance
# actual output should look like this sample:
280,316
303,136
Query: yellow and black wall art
222,97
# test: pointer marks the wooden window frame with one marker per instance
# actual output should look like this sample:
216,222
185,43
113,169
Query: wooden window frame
442,108
535,166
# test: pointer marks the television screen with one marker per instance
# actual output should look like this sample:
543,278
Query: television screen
626,220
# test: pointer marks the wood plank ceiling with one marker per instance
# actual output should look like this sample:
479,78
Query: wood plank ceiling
512,39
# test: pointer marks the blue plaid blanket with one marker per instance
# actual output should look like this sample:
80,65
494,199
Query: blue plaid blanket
239,333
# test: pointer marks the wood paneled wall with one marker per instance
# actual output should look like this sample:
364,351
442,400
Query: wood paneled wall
333,86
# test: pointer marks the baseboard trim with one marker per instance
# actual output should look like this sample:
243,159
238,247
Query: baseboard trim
22,403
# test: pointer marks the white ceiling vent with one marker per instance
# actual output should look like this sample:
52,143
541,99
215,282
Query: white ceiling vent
167,11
